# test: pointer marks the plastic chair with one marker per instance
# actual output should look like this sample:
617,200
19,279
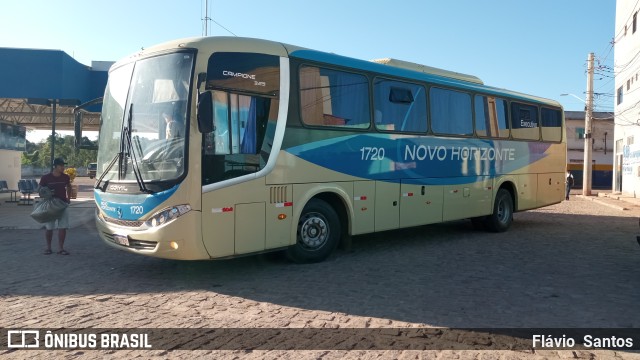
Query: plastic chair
4,189
26,189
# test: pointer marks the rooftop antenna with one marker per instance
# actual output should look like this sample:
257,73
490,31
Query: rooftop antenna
206,19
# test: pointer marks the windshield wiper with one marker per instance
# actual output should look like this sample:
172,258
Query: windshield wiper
131,151
113,161
121,165
126,149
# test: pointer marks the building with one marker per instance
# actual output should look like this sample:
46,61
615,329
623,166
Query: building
602,127
626,169
32,81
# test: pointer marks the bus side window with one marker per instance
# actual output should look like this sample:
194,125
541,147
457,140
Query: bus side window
450,112
399,106
491,120
551,120
524,121
234,147
221,123
334,98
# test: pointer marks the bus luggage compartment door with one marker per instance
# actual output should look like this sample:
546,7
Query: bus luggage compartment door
551,187
420,204
387,205
250,228
467,200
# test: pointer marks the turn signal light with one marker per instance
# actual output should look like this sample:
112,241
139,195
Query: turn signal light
174,245
282,216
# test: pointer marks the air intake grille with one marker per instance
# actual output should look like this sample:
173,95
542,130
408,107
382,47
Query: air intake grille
278,194
128,223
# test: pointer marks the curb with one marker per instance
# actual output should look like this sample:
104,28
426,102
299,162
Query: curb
595,199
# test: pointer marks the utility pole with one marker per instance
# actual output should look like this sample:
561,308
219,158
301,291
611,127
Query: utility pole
206,19
53,132
586,175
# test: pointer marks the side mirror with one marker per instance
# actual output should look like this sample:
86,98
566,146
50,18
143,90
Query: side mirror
78,113
205,112
202,77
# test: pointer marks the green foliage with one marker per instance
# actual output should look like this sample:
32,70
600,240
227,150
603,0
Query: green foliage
64,148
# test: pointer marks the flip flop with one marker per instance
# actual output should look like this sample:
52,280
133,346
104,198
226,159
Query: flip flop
47,252
63,252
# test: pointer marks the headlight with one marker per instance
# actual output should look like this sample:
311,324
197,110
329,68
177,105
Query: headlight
167,215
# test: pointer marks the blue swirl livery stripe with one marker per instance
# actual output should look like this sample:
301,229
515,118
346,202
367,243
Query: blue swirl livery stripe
130,207
440,161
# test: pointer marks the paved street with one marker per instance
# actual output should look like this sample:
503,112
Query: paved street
575,264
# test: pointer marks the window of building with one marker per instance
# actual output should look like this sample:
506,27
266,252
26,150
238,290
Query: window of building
450,112
551,120
579,133
620,95
334,98
630,140
491,116
524,121
399,106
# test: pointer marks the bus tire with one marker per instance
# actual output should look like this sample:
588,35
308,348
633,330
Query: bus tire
317,235
502,216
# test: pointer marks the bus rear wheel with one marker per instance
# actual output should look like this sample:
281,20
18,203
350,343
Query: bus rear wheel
318,233
502,216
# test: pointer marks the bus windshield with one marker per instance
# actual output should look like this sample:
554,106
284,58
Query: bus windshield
144,119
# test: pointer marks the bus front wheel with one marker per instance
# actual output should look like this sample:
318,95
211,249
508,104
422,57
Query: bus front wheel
318,233
502,216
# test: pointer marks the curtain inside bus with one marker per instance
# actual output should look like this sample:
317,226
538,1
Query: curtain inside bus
237,145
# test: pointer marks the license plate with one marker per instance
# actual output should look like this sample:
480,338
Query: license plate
121,239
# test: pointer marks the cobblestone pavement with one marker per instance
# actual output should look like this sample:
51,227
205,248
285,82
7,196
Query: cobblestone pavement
574,264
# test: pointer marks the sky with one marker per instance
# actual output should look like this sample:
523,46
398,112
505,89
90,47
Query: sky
538,47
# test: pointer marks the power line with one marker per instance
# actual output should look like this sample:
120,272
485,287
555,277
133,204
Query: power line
217,23
207,18
625,22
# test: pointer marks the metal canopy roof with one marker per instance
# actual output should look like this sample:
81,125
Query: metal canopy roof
32,78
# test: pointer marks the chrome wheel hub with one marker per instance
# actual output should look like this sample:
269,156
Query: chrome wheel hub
314,231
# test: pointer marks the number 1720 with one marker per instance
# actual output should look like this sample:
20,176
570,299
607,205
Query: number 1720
371,153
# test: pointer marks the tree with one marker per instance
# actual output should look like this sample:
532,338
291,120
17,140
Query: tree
64,148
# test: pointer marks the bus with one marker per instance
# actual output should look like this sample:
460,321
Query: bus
217,147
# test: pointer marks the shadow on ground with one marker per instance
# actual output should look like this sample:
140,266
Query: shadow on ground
548,270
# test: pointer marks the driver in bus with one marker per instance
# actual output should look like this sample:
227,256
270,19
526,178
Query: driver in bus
172,129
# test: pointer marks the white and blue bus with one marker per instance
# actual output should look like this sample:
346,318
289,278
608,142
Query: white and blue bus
217,147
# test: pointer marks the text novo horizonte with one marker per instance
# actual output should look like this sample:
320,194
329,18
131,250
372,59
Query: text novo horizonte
457,153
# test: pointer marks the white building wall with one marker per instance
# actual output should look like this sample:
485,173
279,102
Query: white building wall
10,167
602,145
626,176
